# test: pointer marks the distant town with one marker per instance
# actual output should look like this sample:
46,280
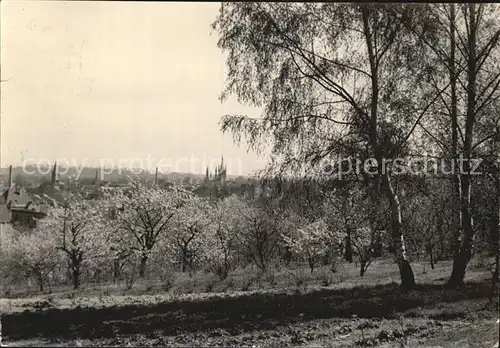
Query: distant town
27,197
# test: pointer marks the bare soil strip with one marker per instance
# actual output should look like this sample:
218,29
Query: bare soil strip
224,320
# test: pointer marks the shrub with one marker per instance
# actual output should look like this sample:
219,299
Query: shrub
209,286
299,277
325,277
167,277
270,277
312,242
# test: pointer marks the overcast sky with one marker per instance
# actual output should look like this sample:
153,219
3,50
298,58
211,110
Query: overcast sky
114,81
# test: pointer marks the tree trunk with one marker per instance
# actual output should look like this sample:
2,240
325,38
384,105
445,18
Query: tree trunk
495,280
464,254
116,269
76,277
287,255
405,270
142,265
430,251
456,187
184,261
76,262
362,268
68,277
40,280
441,246
459,266
262,259
348,247
311,265
431,256
495,225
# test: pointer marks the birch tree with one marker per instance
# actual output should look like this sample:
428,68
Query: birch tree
464,43
330,79
472,34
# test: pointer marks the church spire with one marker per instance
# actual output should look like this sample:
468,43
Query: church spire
55,176
10,177
96,182
222,170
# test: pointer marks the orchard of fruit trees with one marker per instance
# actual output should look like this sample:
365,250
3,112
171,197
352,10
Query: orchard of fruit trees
132,229
142,231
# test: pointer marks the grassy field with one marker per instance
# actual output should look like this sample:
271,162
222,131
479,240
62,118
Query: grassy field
286,307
